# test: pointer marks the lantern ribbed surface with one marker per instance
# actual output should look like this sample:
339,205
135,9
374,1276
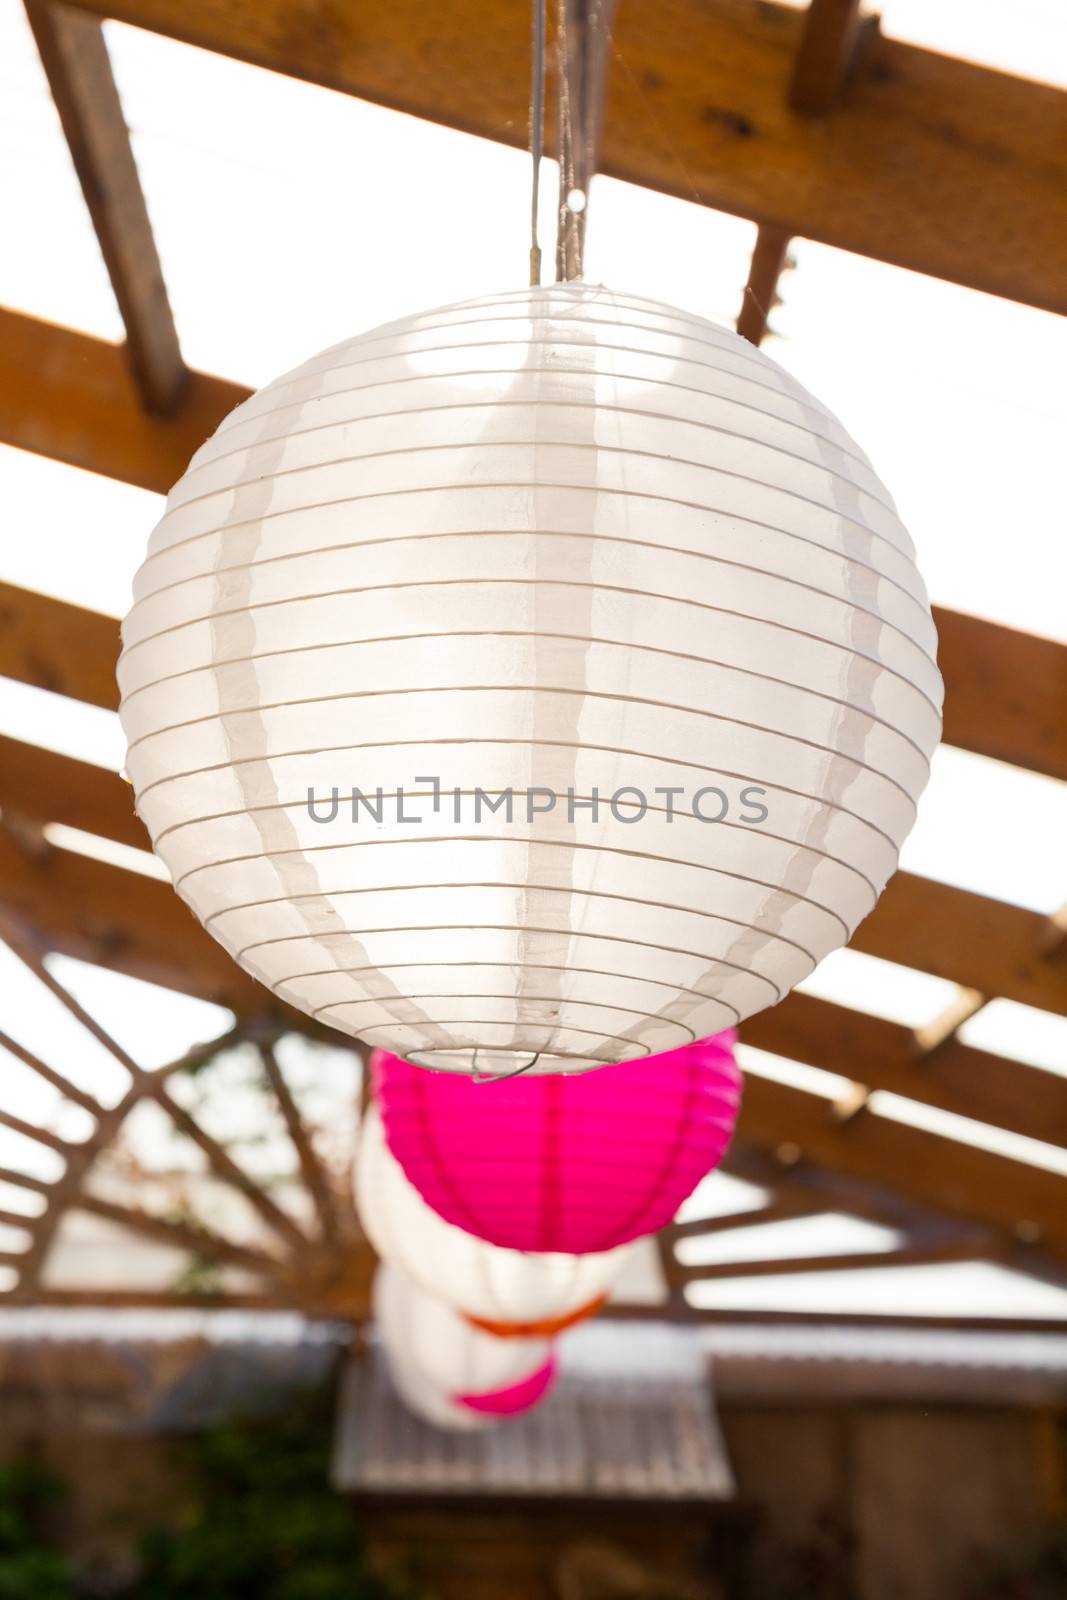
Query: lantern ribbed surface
494,1285
574,1163
560,542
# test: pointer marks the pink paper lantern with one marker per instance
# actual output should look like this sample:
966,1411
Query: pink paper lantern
571,1163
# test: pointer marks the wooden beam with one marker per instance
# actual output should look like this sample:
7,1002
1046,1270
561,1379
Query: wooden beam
968,1248
786,1208
822,1318
180,1233
822,1189
952,1177
55,788
54,645
75,59
229,1171
827,41
23,1180
69,1090
65,395
883,1055
757,302
929,162
1005,691
967,938
137,925
315,1176
932,1036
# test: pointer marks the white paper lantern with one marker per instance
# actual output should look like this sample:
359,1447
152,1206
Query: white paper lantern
433,1405
422,1332
430,1402
496,1285
559,542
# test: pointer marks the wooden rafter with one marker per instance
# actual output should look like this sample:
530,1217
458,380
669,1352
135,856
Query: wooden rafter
117,919
227,1170
884,1055
828,40
74,55
966,938
950,1176
180,1234
757,302
928,162
969,1247
315,1275
1005,692
314,1174
59,647
54,788
934,1036
65,395
782,1208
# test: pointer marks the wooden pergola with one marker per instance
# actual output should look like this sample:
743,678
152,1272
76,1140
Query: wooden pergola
813,125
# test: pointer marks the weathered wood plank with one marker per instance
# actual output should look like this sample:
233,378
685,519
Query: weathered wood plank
75,59
65,395
927,162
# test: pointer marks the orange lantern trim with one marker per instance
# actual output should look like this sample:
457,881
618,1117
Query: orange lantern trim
546,1329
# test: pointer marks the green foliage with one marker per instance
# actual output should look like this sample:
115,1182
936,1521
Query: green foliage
28,1569
262,1523
259,1522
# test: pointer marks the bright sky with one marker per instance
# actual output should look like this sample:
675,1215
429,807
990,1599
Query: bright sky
289,217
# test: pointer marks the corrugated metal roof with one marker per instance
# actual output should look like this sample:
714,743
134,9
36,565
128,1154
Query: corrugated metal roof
637,1426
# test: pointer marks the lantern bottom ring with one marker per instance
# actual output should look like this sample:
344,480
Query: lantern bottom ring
487,1064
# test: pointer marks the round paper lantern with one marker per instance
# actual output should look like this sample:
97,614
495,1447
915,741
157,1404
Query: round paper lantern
432,1404
466,1413
575,1163
534,683
425,1333
499,1286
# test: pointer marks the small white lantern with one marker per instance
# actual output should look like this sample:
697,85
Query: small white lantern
422,1333
566,546
495,1285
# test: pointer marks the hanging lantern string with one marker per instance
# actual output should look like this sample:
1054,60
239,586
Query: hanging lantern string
537,133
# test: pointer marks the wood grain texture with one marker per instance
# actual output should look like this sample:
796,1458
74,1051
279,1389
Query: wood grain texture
74,398
926,162
955,1178
883,1055
827,42
74,55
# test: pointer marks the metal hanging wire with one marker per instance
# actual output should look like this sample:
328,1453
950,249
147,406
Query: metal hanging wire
583,42
537,133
